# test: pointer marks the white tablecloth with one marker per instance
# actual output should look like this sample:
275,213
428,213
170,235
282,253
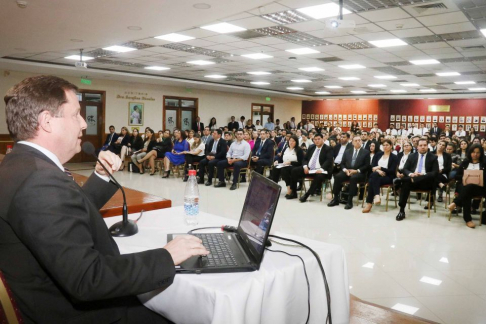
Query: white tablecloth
277,293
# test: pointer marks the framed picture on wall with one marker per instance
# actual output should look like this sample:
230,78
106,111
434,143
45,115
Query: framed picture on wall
441,119
462,119
365,117
321,117
483,119
340,117
422,119
398,117
308,116
135,114
370,124
334,117
468,119
428,125
428,119
345,117
404,118
345,124
434,119
392,118
360,117
468,128
312,116
303,116
135,128
476,119
350,117
325,117
448,119
375,117
454,127
416,119
397,125
476,127
370,117
410,119
454,119
330,117
483,128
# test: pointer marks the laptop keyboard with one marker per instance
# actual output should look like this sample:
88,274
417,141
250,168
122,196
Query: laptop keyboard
220,253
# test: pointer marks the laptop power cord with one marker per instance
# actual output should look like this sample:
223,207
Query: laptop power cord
224,228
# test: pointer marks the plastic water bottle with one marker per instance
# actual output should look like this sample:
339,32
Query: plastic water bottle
9,149
191,200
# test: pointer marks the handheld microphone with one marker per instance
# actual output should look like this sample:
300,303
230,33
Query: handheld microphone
126,227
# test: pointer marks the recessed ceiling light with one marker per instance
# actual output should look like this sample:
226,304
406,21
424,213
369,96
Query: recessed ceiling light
388,42
260,82
311,69
349,78
405,308
398,91
332,87
483,31
200,62
465,82
431,281
223,28
323,11
257,56
119,49
448,73
424,62
385,77
301,81
322,92
259,73
477,89
368,265
352,66
358,91
134,28
76,57
295,88
377,85
409,84
174,37
215,76
427,90
301,51
156,68
202,6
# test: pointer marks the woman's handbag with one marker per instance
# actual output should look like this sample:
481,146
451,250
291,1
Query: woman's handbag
474,177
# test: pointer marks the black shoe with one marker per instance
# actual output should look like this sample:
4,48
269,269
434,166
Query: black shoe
220,184
299,188
287,196
439,199
185,178
200,181
292,196
401,216
427,206
333,202
318,192
208,183
233,186
304,198
349,205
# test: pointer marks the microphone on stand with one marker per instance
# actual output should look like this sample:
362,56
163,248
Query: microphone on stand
126,227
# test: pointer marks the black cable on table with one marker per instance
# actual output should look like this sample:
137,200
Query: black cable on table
201,228
306,279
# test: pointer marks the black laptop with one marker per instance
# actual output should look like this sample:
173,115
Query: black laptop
243,250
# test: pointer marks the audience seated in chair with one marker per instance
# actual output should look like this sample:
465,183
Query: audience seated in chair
161,146
195,154
292,156
236,157
176,156
445,165
215,151
122,140
148,145
135,144
262,153
339,149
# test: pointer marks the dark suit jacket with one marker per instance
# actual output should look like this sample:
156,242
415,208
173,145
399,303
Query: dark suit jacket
447,163
367,146
221,149
431,167
362,162
164,146
325,158
337,148
233,125
56,252
136,143
267,150
392,163
432,132
300,156
113,140
201,126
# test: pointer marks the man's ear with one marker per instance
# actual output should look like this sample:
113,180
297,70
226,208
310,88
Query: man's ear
44,120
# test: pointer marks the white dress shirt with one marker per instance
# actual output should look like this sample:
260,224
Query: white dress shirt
339,157
402,132
460,133
403,161
290,155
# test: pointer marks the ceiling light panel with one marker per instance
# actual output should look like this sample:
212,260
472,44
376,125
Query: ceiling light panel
302,39
295,88
425,62
322,92
358,91
349,78
388,43
200,62
119,49
465,82
215,76
427,90
409,84
285,17
77,58
333,87
260,82
445,74
477,89
119,63
196,50
223,28
257,56
259,73
302,51
377,85
355,45
385,77
398,91
323,11
311,69
156,68
175,38
352,66
301,81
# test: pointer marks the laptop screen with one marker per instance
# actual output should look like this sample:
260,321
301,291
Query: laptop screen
257,215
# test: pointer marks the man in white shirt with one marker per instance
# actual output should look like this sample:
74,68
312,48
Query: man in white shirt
402,132
460,131
269,125
391,130
241,123
307,126
423,130
292,125
376,129
258,126
414,130
237,157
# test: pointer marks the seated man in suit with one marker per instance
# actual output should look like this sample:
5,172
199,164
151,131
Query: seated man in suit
344,145
56,253
262,154
317,163
354,166
421,171
366,140
282,145
237,157
233,125
215,152
110,139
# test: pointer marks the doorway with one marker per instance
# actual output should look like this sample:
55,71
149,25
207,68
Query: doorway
179,113
261,112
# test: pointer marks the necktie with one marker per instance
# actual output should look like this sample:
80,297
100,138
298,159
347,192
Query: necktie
260,147
198,127
421,162
313,162
66,171
213,150
111,137
353,160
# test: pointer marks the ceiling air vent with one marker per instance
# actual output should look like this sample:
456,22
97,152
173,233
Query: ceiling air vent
431,8
472,48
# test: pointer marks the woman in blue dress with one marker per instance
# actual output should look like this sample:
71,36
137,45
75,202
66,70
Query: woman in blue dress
176,156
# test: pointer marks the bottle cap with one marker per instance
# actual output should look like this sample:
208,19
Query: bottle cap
192,172
9,146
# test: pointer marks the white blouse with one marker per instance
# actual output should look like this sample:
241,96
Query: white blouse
383,162
440,159
289,155
403,161
473,166
371,157
201,147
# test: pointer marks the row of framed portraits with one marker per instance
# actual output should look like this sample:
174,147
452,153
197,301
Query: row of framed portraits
439,119
338,117
467,127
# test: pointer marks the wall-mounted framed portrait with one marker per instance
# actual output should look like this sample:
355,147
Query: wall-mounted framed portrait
441,119
448,119
476,119
454,127
482,128
468,119
462,119
410,119
404,118
476,127
454,119
135,114
428,119
370,124
422,119
392,118
415,119
434,119
483,119
375,117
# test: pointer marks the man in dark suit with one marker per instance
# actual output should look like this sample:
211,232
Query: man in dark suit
365,141
435,130
282,145
263,151
354,166
215,152
109,141
317,163
339,149
282,138
233,125
198,126
55,251
421,171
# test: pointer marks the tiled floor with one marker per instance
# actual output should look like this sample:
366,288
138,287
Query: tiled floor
435,267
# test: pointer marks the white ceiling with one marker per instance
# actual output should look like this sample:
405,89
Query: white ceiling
44,33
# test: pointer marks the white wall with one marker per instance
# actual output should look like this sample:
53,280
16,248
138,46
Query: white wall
211,103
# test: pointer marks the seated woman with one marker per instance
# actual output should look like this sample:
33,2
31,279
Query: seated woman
374,149
445,164
135,144
176,156
122,140
148,144
383,170
249,125
474,161
190,137
195,154
291,157
162,146
253,139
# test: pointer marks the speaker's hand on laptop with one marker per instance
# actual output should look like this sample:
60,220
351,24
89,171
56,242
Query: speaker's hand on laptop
183,247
